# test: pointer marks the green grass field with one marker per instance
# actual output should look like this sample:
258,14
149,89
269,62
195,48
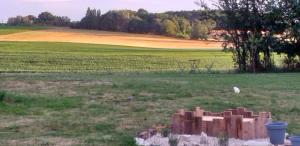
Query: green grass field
16,29
93,109
74,57
77,94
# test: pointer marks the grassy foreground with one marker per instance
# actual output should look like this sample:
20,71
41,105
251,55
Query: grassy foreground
16,29
93,109
76,57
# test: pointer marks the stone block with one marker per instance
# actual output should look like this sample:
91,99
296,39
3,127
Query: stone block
248,129
218,128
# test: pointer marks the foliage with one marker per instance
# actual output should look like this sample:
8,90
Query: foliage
91,19
216,15
184,27
116,20
170,27
256,28
291,63
44,18
137,25
176,24
288,13
142,13
201,29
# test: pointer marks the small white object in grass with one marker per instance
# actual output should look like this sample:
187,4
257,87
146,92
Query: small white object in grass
236,90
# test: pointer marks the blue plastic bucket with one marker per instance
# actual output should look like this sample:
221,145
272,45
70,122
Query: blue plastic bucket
295,140
276,131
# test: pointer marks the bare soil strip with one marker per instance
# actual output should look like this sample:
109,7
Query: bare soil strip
110,38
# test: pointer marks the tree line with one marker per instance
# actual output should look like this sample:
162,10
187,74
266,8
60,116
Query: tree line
44,18
183,24
195,24
256,29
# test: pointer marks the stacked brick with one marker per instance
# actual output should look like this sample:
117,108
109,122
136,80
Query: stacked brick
236,123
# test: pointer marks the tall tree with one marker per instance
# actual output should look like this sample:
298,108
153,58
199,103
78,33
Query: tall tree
248,36
142,13
117,20
46,18
91,19
290,18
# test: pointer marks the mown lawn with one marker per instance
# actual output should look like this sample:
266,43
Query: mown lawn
93,108
16,29
75,57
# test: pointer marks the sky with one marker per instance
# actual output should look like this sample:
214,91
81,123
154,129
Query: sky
75,9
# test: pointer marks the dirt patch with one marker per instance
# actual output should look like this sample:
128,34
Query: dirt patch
20,121
110,38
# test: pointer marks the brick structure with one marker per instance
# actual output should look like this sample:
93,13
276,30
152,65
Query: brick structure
237,123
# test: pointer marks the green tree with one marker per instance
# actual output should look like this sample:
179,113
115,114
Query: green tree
142,13
176,24
61,21
91,19
249,33
185,28
170,27
137,25
117,20
290,17
201,29
46,18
